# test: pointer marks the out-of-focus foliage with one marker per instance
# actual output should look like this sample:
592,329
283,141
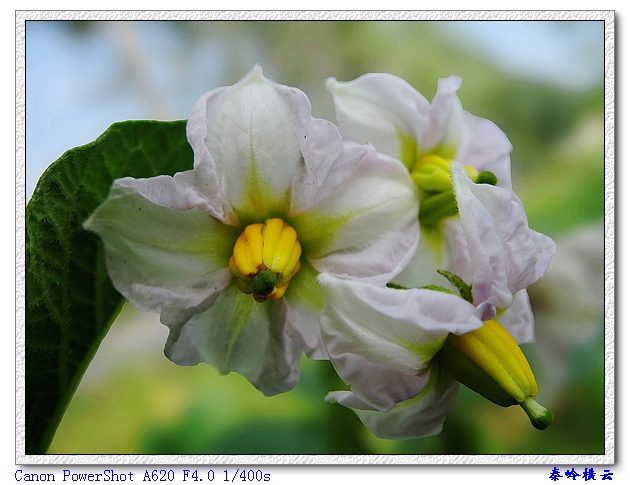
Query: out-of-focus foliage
148,405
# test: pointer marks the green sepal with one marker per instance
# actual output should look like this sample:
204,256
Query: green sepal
437,288
427,287
396,286
464,290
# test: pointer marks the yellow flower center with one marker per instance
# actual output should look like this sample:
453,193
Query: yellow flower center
265,258
433,173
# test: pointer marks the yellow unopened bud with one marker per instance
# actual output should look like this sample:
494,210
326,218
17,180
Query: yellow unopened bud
265,258
489,361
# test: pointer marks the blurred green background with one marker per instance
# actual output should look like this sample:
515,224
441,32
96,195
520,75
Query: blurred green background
541,82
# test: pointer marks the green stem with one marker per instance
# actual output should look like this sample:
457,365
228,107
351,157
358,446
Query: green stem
344,429
436,207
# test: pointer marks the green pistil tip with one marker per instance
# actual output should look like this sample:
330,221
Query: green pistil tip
486,177
539,416
264,282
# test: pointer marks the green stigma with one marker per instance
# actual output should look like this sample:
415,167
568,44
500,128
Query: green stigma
486,177
264,282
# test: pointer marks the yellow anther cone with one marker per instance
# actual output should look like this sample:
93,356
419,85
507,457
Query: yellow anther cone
432,173
265,258
489,361
248,250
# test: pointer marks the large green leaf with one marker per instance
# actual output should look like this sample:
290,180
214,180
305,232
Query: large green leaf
70,301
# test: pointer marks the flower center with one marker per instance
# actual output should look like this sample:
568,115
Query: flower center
265,258
432,173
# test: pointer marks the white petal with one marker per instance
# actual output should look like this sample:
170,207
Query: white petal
378,109
446,117
376,386
307,322
505,253
259,341
162,259
456,249
418,417
485,147
518,319
479,143
248,135
372,331
368,228
327,165
186,190
306,299
439,248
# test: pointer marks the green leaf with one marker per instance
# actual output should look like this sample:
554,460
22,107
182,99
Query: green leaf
70,300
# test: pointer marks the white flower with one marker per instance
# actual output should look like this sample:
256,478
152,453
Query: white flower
228,253
382,341
497,252
387,112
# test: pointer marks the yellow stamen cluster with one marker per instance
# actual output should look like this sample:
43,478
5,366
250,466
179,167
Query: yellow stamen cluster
265,258
433,173
489,361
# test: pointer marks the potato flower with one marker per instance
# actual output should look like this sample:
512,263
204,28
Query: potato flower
229,252
401,350
427,137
